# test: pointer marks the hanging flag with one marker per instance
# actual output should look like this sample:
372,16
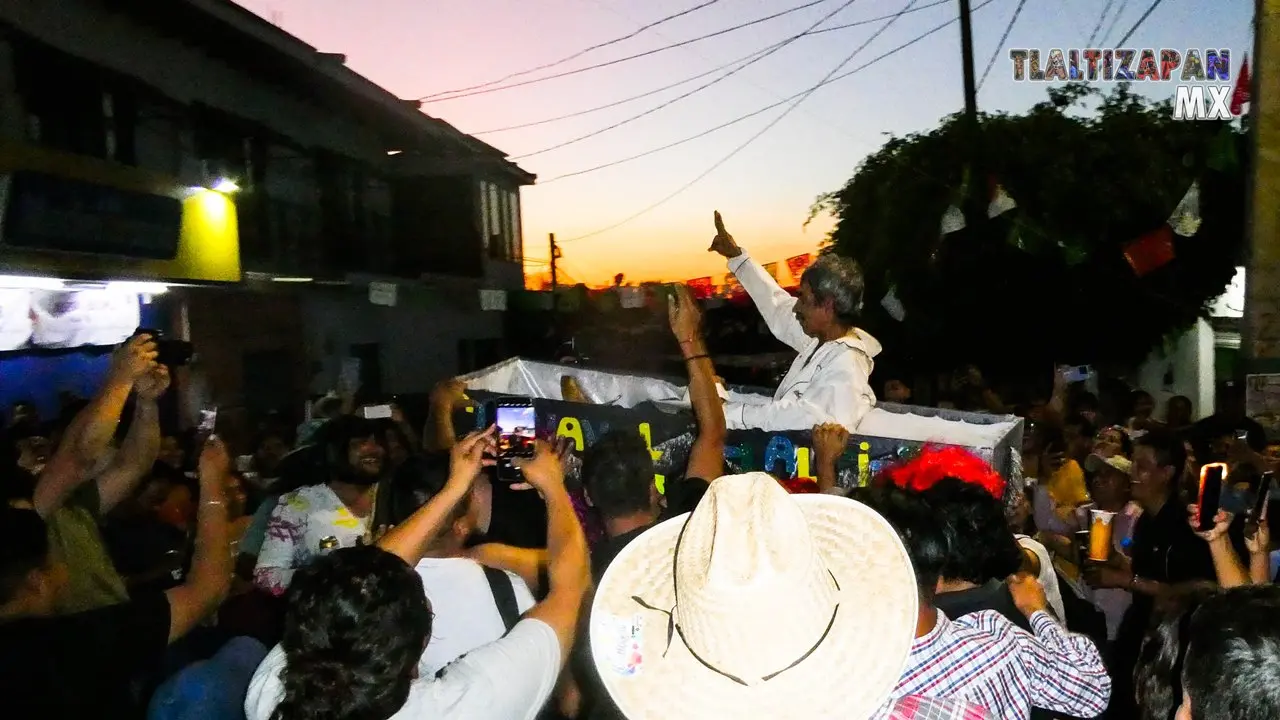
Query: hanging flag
893,305
1151,251
701,288
798,264
1243,92
1185,219
1001,203
952,221
771,269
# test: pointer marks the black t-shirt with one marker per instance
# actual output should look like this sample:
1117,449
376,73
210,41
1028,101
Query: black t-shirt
83,665
1164,549
682,496
994,595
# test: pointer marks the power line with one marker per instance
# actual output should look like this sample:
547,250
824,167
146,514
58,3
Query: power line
800,97
762,55
1132,30
482,90
1114,20
664,88
644,28
740,118
1093,35
1000,45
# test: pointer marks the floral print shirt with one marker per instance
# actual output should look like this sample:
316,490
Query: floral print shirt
305,524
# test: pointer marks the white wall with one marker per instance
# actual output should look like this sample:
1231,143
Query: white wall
418,337
1192,361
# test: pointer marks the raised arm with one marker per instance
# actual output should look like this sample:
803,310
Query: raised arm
90,432
406,427
829,443
141,446
706,457
776,305
409,539
568,566
1259,545
1227,565
211,566
439,434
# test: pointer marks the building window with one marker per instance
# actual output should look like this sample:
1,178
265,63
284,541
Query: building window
494,235
517,231
500,222
64,102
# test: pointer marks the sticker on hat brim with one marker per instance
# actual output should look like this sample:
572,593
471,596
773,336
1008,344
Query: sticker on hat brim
618,643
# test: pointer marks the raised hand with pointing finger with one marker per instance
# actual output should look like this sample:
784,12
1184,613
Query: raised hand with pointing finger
684,315
723,242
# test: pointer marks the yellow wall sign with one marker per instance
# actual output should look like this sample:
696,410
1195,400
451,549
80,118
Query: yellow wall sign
208,244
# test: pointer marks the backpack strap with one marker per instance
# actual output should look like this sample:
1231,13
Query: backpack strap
504,596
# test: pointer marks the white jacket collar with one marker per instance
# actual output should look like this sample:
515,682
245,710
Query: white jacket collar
861,340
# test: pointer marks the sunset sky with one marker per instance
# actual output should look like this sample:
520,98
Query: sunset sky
419,47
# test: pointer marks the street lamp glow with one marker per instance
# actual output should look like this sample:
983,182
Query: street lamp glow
226,186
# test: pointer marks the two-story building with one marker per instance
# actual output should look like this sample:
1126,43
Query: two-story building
306,193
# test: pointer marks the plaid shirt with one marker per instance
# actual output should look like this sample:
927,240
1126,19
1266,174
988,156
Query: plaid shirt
914,707
984,659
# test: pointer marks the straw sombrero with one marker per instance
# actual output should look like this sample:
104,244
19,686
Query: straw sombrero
758,604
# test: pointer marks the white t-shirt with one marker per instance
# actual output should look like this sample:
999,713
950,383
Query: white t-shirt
465,614
509,679
303,522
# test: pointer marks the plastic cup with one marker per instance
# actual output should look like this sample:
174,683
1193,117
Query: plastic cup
1100,524
1082,515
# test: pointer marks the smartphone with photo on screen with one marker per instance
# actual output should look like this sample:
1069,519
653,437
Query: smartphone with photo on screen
517,434
208,421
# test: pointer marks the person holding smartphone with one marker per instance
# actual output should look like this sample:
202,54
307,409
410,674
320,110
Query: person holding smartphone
83,664
1257,539
1166,555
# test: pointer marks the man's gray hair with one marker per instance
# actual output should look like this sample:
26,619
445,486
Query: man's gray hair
838,279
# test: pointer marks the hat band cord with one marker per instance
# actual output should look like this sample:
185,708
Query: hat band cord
673,627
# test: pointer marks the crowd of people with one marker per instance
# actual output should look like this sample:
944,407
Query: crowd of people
357,569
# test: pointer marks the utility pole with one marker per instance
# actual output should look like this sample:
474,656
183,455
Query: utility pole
555,255
1262,284
977,181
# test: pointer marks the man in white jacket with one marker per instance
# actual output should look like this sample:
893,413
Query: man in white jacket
829,382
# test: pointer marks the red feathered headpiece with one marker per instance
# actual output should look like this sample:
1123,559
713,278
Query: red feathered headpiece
936,463
800,486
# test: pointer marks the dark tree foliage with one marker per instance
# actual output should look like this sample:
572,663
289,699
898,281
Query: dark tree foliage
1047,282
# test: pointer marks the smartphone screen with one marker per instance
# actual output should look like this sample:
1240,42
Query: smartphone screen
377,412
1264,495
1212,476
517,429
208,420
1079,373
